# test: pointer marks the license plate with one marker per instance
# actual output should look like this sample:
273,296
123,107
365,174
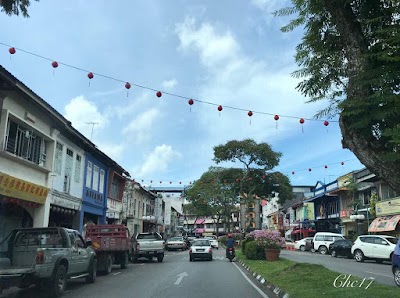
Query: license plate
200,250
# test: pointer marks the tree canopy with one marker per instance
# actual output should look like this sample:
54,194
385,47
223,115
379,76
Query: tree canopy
15,7
350,55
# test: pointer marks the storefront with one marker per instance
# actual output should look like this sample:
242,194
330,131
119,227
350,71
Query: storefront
19,200
64,210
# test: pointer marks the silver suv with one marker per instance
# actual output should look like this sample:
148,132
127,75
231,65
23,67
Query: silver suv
378,247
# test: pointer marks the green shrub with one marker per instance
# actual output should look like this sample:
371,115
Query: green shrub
254,251
222,240
244,243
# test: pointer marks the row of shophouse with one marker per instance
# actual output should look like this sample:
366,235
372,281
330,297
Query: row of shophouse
52,175
353,204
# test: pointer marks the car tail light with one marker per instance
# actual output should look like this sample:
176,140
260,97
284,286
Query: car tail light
209,250
190,250
137,246
40,257
231,249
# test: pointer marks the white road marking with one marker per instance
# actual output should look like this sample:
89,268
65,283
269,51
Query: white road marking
379,274
180,277
251,283
116,273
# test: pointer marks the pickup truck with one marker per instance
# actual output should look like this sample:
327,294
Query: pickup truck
148,245
112,244
46,257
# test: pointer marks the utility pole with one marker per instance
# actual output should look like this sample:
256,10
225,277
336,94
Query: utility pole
93,124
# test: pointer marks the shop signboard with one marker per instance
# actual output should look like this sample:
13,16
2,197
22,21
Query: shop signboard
21,189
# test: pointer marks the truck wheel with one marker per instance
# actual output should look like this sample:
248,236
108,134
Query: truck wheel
135,259
160,258
59,282
124,260
91,278
108,265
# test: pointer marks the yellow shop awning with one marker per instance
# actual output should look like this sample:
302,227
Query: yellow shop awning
21,189
384,224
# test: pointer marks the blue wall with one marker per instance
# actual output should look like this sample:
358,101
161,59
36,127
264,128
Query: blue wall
93,201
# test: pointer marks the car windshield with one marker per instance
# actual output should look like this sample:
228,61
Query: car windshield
176,239
149,236
201,243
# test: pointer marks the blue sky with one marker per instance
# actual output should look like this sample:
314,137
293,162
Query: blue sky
223,52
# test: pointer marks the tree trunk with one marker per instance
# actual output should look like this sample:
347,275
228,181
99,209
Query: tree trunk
368,151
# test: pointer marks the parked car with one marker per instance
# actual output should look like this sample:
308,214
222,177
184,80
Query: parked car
213,240
201,249
46,257
322,240
175,243
303,244
341,248
378,247
148,245
396,264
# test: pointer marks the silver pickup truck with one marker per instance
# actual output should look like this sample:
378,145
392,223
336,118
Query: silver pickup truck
148,245
46,257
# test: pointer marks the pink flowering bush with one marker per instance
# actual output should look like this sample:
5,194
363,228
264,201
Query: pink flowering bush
267,238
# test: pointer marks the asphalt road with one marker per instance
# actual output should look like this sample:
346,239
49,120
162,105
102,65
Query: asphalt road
382,273
174,277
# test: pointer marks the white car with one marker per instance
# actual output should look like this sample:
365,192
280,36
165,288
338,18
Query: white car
302,243
201,249
378,247
213,241
322,240
175,243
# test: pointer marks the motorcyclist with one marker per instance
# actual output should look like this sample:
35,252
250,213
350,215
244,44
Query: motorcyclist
230,243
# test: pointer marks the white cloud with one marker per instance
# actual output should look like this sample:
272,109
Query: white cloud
140,127
169,84
114,151
157,161
80,112
214,49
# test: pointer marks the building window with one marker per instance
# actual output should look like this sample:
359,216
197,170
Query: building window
89,174
69,160
67,183
78,165
102,174
95,178
114,192
387,192
58,158
25,143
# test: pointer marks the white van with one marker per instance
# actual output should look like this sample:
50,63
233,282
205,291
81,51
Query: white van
322,240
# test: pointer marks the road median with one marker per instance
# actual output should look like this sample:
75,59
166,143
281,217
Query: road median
303,280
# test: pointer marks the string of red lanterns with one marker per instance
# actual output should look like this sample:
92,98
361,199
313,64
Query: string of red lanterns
128,85
237,180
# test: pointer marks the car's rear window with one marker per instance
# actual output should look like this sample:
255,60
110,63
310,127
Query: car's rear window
149,236
201,243
392,240
41,238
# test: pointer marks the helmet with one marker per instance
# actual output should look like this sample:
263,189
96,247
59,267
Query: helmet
229,235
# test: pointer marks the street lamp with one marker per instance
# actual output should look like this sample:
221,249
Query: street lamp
356,217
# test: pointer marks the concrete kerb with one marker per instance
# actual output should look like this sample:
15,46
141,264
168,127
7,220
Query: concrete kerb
278,291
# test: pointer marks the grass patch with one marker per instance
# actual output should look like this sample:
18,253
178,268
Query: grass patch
302,280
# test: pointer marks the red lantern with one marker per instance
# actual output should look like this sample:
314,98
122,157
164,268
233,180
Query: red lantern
250,179
190,182
342,163
151,181
263,177
160,182
90,75
54,64
301,120
170,182
159,94
220,108
309,169
326,166
250,113
180,182
276,117
127,85
326,123
191,102
293,173
12,51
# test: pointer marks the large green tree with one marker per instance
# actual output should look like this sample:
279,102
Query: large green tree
15,7
350,55
254,179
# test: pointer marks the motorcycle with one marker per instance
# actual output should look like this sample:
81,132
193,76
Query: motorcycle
231,254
